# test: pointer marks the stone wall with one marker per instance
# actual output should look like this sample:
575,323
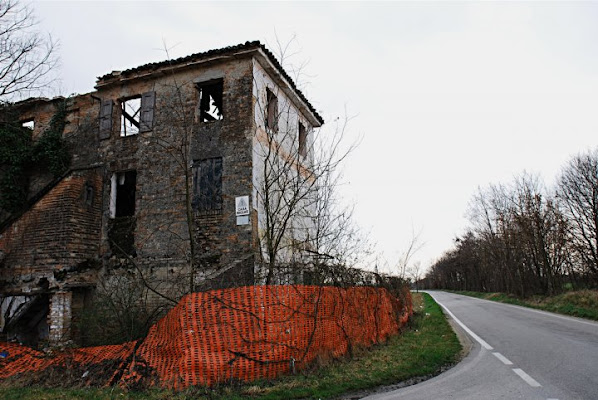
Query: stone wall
59,317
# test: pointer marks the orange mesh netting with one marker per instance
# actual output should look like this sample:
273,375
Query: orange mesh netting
18,360
243,334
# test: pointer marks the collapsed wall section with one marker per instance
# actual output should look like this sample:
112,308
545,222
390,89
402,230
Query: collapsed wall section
49,252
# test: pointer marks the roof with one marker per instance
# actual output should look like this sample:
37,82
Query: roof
254,45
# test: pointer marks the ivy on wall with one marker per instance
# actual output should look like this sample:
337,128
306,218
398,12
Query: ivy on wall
20,155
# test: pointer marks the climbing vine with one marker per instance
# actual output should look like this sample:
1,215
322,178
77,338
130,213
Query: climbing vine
50,150
20,155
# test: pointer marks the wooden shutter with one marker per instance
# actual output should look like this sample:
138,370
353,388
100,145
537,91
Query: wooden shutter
146,119
106,119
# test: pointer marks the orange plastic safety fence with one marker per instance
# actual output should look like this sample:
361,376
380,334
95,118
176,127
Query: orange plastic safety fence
241,334
16,359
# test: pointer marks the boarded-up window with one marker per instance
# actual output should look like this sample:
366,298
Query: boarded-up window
207,186
302,140
272,111
210,101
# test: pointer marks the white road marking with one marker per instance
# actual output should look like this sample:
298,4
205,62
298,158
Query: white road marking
530,381
502,358
465,328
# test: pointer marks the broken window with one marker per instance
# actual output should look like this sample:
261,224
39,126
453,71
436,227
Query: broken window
29,124
271,111
210,101
302,140
136,115
207,185
130,116
122,199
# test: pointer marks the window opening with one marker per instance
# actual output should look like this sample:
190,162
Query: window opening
272,111
130,117
207,185
123,194
88,194
210,101
302,140
29,124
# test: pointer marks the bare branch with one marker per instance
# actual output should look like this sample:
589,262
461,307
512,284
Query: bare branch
27,58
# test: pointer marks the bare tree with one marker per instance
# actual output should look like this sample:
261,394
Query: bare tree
415,272
518,245
406,256
578,194
27,58
542,232
302,221
295,189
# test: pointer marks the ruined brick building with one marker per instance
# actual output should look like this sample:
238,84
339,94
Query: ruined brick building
162,185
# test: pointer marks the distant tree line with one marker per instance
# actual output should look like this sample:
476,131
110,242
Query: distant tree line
528,239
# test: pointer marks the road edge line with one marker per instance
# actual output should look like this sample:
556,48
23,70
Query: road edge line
478,339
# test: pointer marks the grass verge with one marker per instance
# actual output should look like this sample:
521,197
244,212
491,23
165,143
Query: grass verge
582,303
427,347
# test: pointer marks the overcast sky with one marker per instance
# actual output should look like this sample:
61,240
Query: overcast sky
447,96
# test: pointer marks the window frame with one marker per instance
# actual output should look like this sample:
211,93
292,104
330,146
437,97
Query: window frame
125,116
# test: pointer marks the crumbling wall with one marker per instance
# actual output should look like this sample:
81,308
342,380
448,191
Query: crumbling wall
179,138
51,249
54,244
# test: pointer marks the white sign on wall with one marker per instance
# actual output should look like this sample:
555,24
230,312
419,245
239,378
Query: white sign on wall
242,205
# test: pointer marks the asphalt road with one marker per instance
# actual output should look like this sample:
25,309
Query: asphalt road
517,353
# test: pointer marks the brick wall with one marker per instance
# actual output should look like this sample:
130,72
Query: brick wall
53,244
